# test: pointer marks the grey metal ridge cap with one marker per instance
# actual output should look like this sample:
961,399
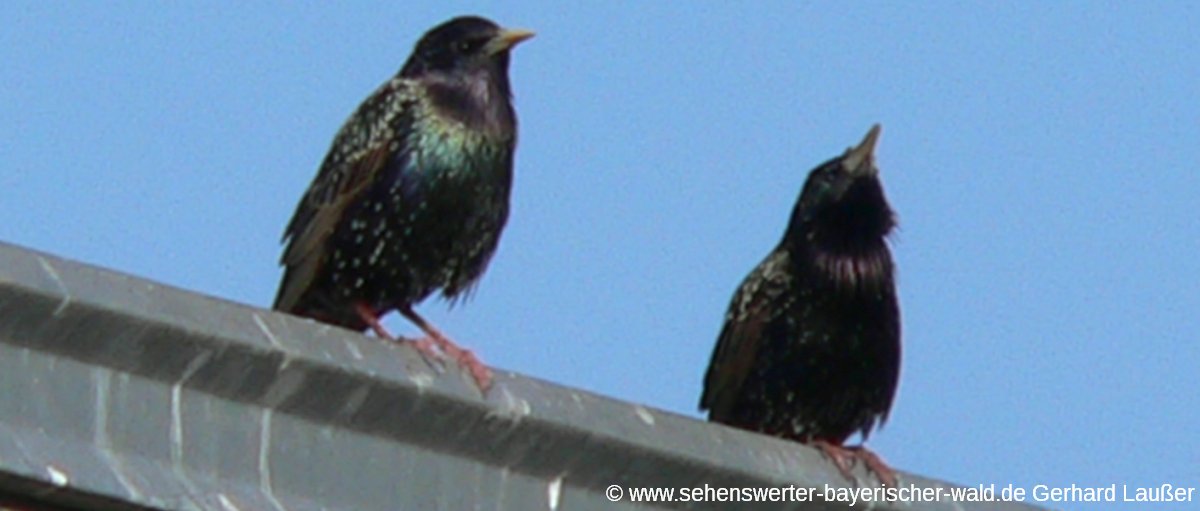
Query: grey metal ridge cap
235,400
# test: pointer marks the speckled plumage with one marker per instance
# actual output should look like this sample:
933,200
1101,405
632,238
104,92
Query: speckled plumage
810,348
413,194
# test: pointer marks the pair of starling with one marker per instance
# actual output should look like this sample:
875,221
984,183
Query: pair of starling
413,195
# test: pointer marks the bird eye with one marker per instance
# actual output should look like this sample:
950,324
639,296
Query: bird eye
467,46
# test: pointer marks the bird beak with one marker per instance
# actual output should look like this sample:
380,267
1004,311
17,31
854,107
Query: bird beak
860,160
506,39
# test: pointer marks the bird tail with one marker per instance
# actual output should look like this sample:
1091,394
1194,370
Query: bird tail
296,297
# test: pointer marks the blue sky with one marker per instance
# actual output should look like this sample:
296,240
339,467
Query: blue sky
1041,157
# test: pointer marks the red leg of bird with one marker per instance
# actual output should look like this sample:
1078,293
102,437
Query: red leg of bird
875,464
465,357
368,316
422,345
840,456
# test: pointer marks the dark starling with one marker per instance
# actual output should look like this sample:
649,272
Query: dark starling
413,194
810,349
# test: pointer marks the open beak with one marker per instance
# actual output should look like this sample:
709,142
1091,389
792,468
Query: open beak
860,160
506,39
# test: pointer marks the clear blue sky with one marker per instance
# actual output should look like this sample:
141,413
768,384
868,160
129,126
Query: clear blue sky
1041,156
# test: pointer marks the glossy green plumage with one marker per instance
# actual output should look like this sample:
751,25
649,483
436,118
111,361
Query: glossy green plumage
413,194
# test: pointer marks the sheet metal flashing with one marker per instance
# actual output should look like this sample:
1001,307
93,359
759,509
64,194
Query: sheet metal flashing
120,393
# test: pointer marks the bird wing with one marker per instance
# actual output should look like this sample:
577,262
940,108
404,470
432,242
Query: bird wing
751,310
358,154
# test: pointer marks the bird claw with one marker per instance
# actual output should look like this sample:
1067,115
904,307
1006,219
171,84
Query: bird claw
480,372
428,352
841,457
875,464
431,349
465,358
468,360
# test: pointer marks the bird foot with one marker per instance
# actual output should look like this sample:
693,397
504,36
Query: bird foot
842,457
428,351
875,464
424,345
467,359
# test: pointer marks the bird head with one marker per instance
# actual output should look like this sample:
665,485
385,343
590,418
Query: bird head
842,207
464,45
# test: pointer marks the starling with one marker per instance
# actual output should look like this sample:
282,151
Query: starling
413,194
810,348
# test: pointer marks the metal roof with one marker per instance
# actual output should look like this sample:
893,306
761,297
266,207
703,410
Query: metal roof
121,393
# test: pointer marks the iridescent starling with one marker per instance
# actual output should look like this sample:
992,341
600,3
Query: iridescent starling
810,349
413,194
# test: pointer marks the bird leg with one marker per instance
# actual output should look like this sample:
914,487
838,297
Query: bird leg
423,345
874,464
465,357
368,316
840,456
